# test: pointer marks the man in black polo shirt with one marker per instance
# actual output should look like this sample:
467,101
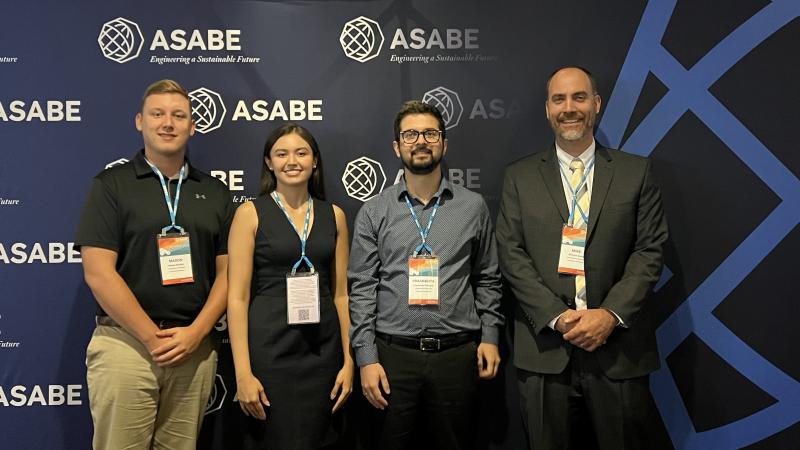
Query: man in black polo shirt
153,238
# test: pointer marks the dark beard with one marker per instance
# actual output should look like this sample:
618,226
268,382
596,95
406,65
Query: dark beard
421,169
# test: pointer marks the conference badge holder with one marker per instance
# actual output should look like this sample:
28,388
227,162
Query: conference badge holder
573,239
175,258
302,288
423,265
573,246
174,247
423,280
302,297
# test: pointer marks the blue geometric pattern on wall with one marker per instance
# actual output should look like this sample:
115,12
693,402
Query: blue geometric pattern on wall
689,91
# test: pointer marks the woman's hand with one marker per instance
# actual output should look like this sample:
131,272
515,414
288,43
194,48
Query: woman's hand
252,397
343,386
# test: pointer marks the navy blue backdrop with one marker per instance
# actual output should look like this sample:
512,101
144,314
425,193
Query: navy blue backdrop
707,89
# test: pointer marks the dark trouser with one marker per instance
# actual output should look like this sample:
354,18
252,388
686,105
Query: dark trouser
432,401
581,408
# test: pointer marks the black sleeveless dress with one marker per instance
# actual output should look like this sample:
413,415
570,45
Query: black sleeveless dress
296,364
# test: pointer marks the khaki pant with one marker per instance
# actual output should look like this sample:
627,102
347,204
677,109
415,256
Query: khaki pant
137,405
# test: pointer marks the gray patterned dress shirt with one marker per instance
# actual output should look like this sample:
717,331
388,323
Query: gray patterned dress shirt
384,238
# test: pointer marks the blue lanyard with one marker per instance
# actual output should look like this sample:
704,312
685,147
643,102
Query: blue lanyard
303,237
423,233
172,206
574,192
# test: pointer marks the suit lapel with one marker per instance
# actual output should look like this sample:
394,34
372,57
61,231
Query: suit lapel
603,174
552,179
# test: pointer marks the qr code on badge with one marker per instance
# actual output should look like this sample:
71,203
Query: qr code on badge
302,314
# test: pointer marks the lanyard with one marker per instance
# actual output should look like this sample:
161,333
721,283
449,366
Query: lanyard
172,206
574,192
303,237
423,233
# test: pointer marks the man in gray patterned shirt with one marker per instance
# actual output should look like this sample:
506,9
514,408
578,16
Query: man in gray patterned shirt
425,294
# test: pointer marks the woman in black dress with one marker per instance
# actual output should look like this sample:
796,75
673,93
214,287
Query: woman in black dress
288,316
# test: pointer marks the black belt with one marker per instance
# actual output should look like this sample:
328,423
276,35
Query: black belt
161,323
430,343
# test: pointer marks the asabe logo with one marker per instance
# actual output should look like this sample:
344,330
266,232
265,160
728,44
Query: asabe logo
41,395
449,104
40,111
121,40
37,252
222,327
363,178
469,178
218,394
209,110
234,179
362,40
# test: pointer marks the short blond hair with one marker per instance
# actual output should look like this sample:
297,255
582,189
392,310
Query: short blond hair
165,87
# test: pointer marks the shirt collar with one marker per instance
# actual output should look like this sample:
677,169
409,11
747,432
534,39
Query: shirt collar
142,169
565,158
444,187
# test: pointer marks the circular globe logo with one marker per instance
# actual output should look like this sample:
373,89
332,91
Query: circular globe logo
218,394
208,110
361,39
120,40
363,178
447,102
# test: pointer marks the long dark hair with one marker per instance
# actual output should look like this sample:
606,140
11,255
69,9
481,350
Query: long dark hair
316,184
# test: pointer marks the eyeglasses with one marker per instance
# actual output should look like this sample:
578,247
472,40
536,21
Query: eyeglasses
411,136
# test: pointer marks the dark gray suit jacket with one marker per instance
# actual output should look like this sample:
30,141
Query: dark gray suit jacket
623,260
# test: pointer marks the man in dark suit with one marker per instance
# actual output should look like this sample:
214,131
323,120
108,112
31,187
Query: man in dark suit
580,235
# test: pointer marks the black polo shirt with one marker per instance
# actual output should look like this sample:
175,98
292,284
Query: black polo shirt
124,212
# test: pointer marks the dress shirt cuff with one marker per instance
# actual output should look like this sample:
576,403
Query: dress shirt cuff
552,323
620,323
490,335
366,354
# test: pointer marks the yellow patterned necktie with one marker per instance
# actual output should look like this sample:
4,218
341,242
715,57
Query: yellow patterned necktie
577,167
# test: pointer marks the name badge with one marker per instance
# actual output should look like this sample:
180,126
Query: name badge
423,280
175,258
302,298
573,246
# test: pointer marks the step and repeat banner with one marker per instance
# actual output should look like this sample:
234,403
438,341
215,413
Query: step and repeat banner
708,92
